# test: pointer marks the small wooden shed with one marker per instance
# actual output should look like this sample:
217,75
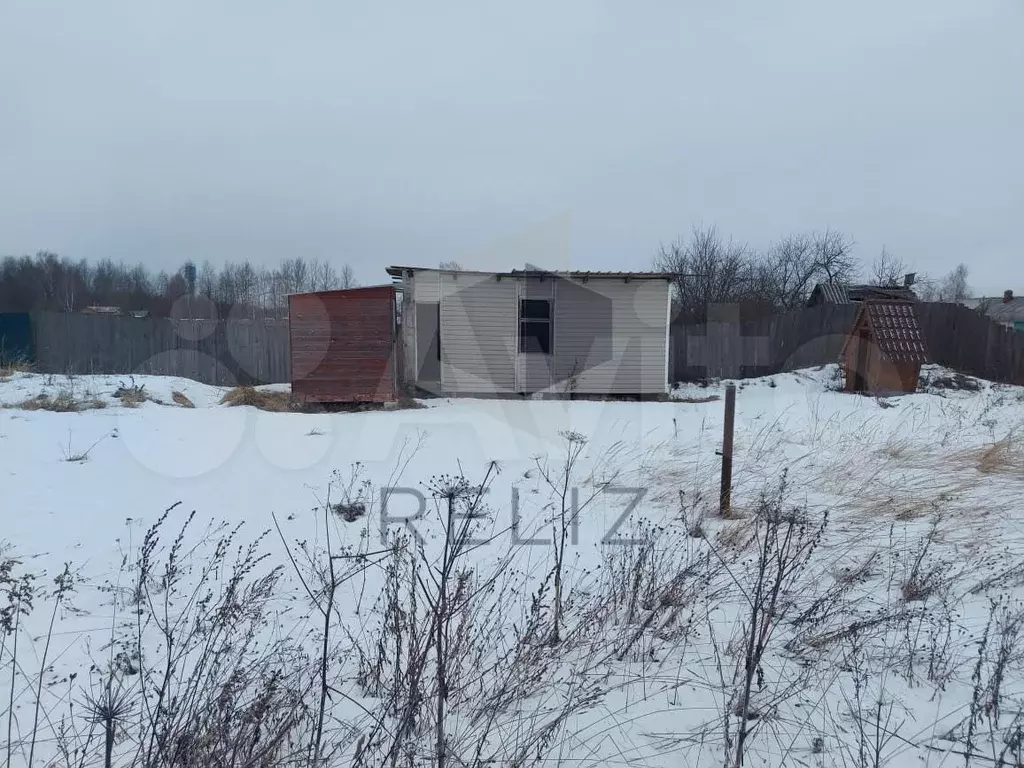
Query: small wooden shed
885,349
343,345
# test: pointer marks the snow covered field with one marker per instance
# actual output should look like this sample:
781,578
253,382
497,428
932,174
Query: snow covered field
861,606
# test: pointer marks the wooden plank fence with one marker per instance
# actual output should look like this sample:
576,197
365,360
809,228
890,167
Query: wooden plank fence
761,347
962,339
236,351
957,337
221,352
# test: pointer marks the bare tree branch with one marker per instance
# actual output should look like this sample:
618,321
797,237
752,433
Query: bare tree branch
887,270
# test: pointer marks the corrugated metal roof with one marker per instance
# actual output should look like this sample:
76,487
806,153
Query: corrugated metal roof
843,293
397,271
896,331
833,293
870,292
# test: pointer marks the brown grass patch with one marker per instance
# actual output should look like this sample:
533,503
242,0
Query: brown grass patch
912,511
63,402
8,370
131,397
1002,457
737,536
181,399
275,402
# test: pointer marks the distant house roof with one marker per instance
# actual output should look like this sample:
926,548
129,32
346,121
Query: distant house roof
895,329
845,293
1000,311
98,310
397,271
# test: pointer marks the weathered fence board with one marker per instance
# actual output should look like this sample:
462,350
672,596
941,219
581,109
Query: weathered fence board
222,352
759,347
962,339
957,337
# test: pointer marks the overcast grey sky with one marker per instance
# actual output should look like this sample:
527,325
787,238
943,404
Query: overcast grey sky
399,132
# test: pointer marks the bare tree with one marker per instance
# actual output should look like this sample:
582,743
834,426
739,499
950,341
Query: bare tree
927,288
833,253
207,281
887,270
452,266
786,275
954,286
293,276
788,270
267,297
53,283
247,283
708,269
347,278
705,269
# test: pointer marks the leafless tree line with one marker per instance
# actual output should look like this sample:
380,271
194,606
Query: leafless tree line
51,282
711,268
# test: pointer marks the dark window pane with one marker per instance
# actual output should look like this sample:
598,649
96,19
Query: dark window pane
428,341
535,309
535,336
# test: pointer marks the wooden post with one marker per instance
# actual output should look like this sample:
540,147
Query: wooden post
725,494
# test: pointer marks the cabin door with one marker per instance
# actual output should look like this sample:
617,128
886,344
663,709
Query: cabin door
535,334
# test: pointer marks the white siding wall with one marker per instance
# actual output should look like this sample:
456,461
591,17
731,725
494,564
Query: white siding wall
632,358
426,285
478,334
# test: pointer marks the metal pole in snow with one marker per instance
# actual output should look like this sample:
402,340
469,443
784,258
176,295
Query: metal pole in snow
725,494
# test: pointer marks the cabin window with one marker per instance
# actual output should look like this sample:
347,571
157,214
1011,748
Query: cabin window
535,326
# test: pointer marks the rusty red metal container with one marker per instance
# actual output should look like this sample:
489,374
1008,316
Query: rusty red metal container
344,346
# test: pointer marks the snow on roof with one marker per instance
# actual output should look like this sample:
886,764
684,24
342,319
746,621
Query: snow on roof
1005,311
897,331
